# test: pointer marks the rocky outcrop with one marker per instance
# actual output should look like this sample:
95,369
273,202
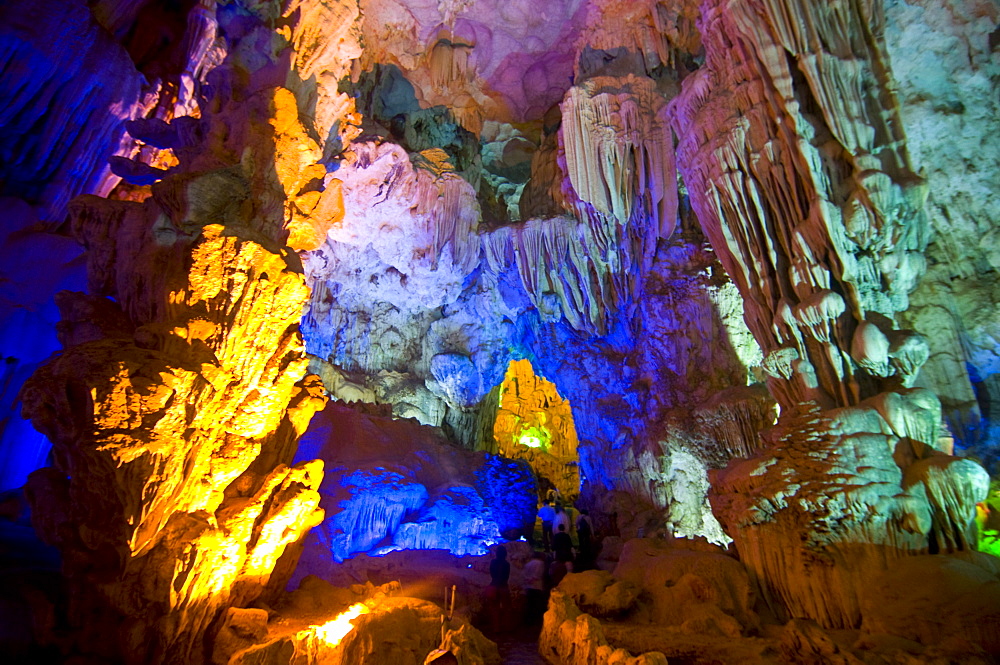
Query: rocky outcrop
70,68
321,623
792,149
172,435
535,424
666,207
398,485
570,637
175,405
677,599
889,503
686,600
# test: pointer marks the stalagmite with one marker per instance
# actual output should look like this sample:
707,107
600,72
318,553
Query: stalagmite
180,408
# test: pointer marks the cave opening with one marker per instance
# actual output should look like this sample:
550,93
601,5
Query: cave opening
534,423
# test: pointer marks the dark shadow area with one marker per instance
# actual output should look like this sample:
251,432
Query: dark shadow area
498,164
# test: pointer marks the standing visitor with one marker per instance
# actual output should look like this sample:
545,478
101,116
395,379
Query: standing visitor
534,589
546,513
584,536
562,544
561,519
497,593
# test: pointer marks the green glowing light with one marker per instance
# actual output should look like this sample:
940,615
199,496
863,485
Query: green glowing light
530,441
535,437
989,542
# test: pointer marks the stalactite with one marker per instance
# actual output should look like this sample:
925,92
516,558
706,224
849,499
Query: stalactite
734,418
774,162
618,149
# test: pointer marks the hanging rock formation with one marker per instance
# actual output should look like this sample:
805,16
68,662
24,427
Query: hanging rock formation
706,223
797,168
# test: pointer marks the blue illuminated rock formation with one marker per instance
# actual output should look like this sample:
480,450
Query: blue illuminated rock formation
396,484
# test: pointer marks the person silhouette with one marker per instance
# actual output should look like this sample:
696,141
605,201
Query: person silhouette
497,596
585,545
562,545
546,514
534,589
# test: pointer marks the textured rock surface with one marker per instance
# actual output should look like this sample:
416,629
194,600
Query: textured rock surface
70,68
663,601
320,623
682,600
177,399
172,478
951,123
535,424
892,505
792,149
682,214
395,484
813,247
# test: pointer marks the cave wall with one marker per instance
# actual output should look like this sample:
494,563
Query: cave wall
681,213
950,119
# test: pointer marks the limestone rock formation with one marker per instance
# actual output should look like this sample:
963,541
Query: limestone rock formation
751,243
894,471
951,122
535,424
684,600
171,477
76,69
320,623
776,113
394,485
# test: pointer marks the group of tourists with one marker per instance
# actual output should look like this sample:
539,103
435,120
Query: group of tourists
548,566
557,540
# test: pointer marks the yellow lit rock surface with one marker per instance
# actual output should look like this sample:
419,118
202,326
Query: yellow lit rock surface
313,202
366,624
535,424
171,466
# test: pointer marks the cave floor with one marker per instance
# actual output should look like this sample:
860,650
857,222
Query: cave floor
518,647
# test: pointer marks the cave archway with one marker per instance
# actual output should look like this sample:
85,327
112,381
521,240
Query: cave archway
535,423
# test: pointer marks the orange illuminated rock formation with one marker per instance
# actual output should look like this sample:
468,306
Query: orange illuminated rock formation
171,483
535,424
175,406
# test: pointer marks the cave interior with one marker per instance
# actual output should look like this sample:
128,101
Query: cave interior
306,306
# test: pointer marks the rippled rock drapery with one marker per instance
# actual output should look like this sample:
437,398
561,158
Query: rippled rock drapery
72,67
421,298
394,484
792,149
798,172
